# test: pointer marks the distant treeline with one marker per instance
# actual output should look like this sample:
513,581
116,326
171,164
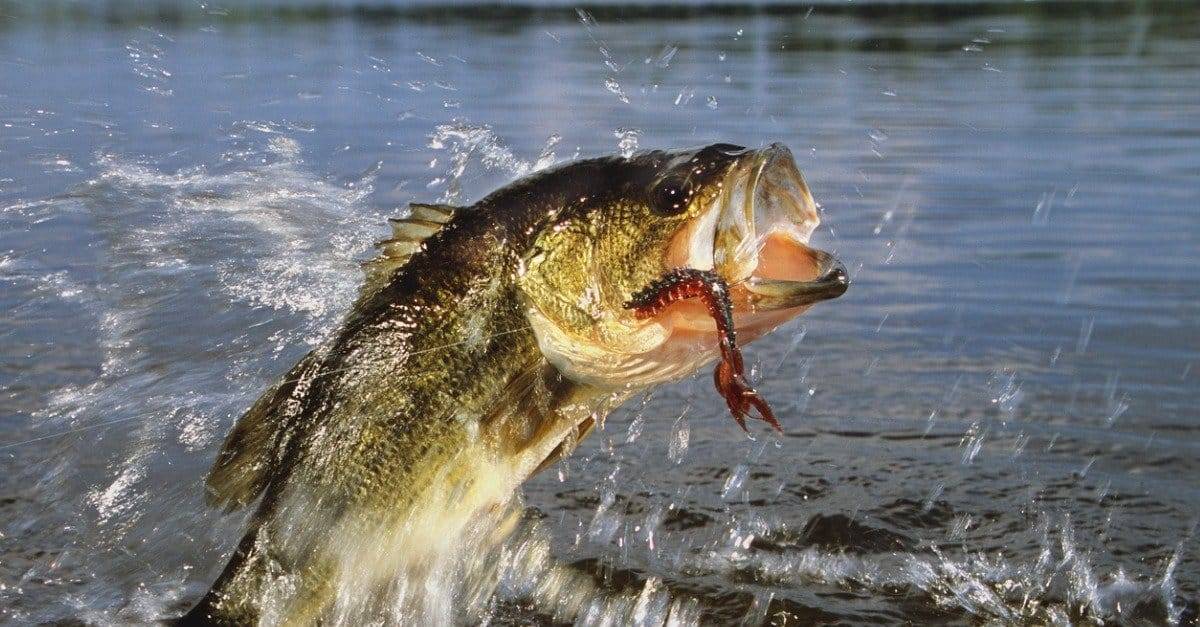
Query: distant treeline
177,12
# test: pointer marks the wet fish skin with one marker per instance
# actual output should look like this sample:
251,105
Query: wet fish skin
441,393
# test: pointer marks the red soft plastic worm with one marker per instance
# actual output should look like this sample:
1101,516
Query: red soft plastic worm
729,376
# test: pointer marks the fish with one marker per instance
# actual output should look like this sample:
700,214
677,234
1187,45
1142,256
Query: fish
487,341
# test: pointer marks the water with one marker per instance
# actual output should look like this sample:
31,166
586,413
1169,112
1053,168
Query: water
997,422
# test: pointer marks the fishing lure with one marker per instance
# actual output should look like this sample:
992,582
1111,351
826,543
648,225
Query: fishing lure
730,374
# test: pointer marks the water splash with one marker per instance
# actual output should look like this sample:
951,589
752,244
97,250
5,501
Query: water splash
465,142
734,482
680,436
614,87
627,140
136,435
665,56
1061,585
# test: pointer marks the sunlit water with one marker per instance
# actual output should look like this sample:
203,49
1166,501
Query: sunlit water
997,422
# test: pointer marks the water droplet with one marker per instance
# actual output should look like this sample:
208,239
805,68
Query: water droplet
680,434
1085,335
627,142
664,57
734,482
613,86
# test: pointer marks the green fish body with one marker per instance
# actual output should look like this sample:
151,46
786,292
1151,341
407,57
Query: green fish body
487,341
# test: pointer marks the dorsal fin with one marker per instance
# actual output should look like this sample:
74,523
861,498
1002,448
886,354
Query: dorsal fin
408,236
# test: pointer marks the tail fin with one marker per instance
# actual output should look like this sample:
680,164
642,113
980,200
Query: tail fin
209,609
197,617
249,581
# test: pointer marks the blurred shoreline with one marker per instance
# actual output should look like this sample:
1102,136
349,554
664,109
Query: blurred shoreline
123,13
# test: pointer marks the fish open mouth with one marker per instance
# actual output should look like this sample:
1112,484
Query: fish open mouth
756,233
746,268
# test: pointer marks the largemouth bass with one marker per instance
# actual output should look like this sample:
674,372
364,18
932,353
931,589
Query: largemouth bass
487,341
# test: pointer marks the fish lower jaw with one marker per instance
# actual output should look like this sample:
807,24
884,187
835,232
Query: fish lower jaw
789,275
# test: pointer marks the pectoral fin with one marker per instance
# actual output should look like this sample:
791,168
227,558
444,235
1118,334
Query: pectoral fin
538,406
567,446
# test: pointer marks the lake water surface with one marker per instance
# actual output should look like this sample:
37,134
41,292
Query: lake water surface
998,422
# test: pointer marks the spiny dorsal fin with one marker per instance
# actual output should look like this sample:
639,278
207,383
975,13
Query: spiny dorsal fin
434,213
408,236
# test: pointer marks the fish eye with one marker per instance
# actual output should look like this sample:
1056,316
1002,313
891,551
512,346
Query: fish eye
670,197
